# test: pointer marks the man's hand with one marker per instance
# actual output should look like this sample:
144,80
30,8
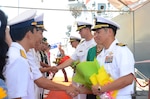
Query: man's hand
72,91
96,89
54,69
44,65
84,90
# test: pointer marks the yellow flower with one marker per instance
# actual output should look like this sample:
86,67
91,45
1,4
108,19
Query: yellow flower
2,93
103,78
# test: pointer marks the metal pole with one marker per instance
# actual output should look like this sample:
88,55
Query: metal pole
18,6
149,89
135,93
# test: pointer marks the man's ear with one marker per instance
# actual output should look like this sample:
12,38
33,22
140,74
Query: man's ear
29,34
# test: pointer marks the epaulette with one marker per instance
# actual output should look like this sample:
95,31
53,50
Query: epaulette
82,41
23,54
121,44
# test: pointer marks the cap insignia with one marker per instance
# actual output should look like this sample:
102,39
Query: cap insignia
34,23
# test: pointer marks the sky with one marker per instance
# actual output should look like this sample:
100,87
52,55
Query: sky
55,21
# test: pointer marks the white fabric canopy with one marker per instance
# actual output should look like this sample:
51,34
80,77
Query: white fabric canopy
132,4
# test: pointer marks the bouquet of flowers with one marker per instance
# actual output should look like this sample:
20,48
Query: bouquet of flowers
60,60
74,64
84,70
90,73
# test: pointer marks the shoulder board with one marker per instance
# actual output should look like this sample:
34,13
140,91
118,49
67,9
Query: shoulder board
23,54
121,44
82,41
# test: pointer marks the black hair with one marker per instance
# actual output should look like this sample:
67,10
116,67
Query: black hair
78,40
19,33
3,45
89,26
114,30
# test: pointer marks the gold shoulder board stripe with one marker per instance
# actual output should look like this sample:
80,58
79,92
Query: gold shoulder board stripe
121,44
23,54
82,41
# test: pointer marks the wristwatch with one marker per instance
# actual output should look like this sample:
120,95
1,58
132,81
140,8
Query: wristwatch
99,88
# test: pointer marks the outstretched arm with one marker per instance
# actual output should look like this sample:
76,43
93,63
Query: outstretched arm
65,64
50,85
115,85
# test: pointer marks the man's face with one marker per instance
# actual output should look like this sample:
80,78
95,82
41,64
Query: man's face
74,44
38,46
33,37
39,35
101,35
83,32
44,46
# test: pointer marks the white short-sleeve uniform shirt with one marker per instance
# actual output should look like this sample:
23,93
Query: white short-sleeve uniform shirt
81,55
35,65
82,50
18,74
118,61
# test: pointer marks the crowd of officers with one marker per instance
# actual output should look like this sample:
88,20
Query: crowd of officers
28,63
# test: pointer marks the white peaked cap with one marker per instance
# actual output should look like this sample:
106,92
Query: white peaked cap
0,23
39,18
104,20
23,17
84,23
75,37
40,22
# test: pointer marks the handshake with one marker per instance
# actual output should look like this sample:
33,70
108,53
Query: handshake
73,90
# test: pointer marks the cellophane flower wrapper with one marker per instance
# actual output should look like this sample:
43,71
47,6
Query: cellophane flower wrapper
91,73
103,78
63,59
83,72
60,60
74,64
